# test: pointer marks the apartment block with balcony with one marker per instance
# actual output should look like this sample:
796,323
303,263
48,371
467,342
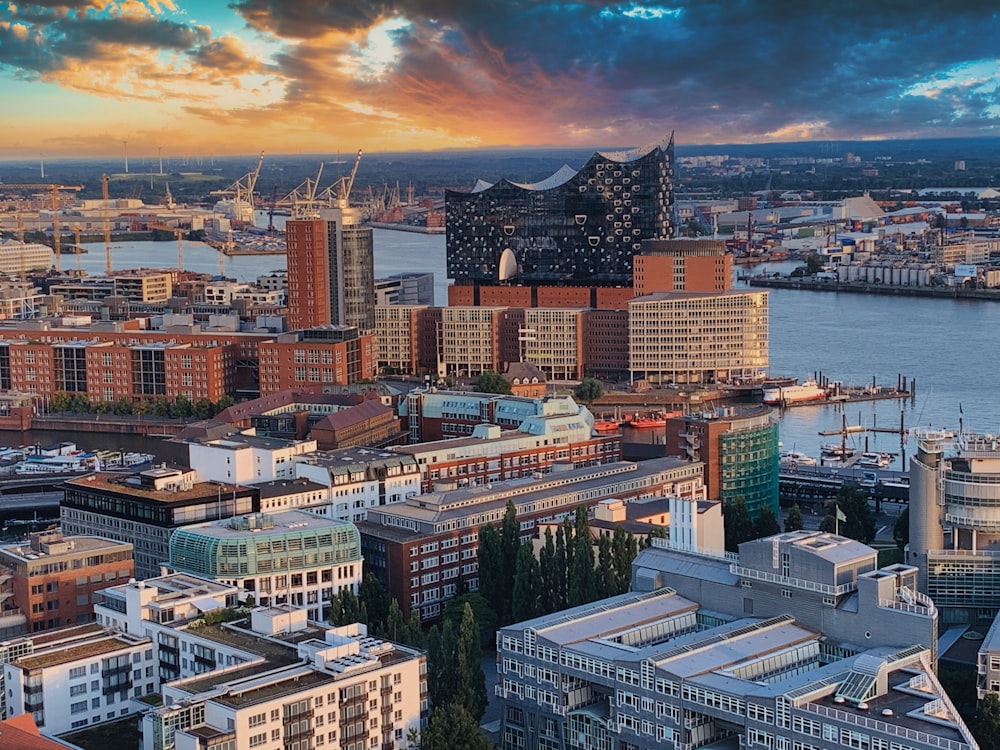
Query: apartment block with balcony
88,676
553,341
470,341
336,688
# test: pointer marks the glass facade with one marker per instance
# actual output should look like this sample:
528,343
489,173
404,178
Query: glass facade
749,462
581,227
203,551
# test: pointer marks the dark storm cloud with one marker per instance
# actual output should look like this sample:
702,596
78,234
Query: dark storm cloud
745,68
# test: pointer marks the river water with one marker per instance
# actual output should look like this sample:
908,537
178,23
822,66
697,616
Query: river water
947,345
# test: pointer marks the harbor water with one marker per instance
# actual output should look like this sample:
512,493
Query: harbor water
946,345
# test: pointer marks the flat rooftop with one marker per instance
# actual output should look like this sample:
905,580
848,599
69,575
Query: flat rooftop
283,522
115,484
88,647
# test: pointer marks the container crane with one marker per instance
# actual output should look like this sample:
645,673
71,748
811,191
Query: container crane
242,190
56,205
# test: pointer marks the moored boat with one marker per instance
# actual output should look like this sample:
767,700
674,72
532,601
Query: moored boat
808,390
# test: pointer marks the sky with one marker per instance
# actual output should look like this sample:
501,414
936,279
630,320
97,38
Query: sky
218,77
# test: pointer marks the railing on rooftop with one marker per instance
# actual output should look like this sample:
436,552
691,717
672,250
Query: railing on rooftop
798,583
886,728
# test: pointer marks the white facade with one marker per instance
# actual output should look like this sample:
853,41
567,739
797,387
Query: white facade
85,678
351,691
359,478
163,609
244,459
17,256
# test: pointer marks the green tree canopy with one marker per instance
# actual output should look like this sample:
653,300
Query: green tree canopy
738,526
589,390
452,727
794,521
491,382
765,524
526,598
987,725
860,519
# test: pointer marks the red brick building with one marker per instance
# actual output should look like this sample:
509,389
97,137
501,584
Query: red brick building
329,355
54,578
308,246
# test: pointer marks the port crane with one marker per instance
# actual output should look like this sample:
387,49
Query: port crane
54,190
242,190
306,199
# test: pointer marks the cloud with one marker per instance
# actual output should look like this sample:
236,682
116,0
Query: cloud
564,72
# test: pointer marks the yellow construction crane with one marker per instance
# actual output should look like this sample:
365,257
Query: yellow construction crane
105,213
56,205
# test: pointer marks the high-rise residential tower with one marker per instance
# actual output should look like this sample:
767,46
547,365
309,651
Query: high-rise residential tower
331,271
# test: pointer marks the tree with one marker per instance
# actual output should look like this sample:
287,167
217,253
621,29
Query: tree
738,526
794,521
582,583
605,581
223,403
470,681
901,529
182,407
413,633
548,596
561,574
624,548
988,722
345,608
765,524
860,520
452,727
374,599
440,664
510,544
203,408
490,556
485,615
526,597
394,626
589,390
491,382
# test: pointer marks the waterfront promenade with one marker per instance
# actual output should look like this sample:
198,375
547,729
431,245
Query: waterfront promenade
859,287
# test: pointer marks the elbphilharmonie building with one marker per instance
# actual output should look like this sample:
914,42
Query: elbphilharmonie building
575,228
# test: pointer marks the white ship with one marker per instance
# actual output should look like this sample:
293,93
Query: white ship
808,390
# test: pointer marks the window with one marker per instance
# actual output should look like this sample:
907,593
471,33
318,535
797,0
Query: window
78,708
